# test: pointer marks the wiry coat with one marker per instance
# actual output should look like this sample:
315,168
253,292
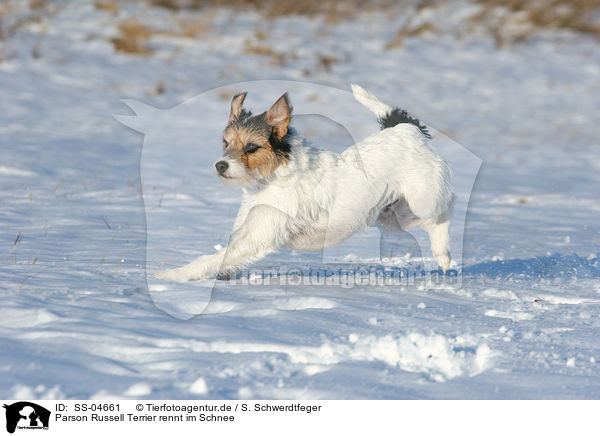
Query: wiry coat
314,199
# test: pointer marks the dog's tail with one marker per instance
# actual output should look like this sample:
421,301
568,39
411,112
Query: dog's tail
386,115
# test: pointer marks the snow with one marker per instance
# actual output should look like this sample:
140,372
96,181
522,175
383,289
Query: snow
138,390
79,317
199,387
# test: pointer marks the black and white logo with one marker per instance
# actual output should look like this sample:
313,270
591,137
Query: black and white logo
26,415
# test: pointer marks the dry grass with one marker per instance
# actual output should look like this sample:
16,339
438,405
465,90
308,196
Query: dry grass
261,49
193,28
107,5
173,5
158,89
409,31
189,27
3,14
505,20
8,29
12,20
333,10
38,4
577,15
512,21
133,38
326,62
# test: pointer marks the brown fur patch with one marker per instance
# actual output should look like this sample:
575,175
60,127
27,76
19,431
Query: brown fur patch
265,160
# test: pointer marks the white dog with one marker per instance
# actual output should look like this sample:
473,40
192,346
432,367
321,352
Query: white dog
302,198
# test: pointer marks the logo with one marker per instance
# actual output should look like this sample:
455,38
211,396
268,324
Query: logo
26,415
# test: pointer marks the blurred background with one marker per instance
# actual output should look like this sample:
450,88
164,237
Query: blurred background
166,50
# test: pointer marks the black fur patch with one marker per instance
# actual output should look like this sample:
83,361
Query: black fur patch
244,114
281,147
400,116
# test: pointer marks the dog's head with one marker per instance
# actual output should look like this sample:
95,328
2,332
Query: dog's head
254,145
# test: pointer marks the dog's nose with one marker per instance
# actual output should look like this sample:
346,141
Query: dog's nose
221,166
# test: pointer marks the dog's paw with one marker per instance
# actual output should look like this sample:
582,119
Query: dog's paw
443,261
228,275
175,274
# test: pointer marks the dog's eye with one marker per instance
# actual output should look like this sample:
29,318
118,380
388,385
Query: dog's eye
225,144
250,148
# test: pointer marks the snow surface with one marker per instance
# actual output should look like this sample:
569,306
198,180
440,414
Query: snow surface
76,317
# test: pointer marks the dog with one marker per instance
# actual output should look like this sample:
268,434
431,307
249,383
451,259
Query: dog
298,197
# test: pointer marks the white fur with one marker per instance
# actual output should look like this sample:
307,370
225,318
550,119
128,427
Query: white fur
369,100
392,179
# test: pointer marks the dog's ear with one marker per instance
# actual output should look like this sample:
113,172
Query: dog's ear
278,117
236,106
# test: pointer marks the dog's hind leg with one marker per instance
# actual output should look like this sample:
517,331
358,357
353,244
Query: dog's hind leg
393,222
439,236
393,244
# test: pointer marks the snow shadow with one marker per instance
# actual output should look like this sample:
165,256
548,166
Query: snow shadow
555,266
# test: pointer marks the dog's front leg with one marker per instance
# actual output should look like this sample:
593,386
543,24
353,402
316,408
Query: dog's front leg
262,232
202,267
